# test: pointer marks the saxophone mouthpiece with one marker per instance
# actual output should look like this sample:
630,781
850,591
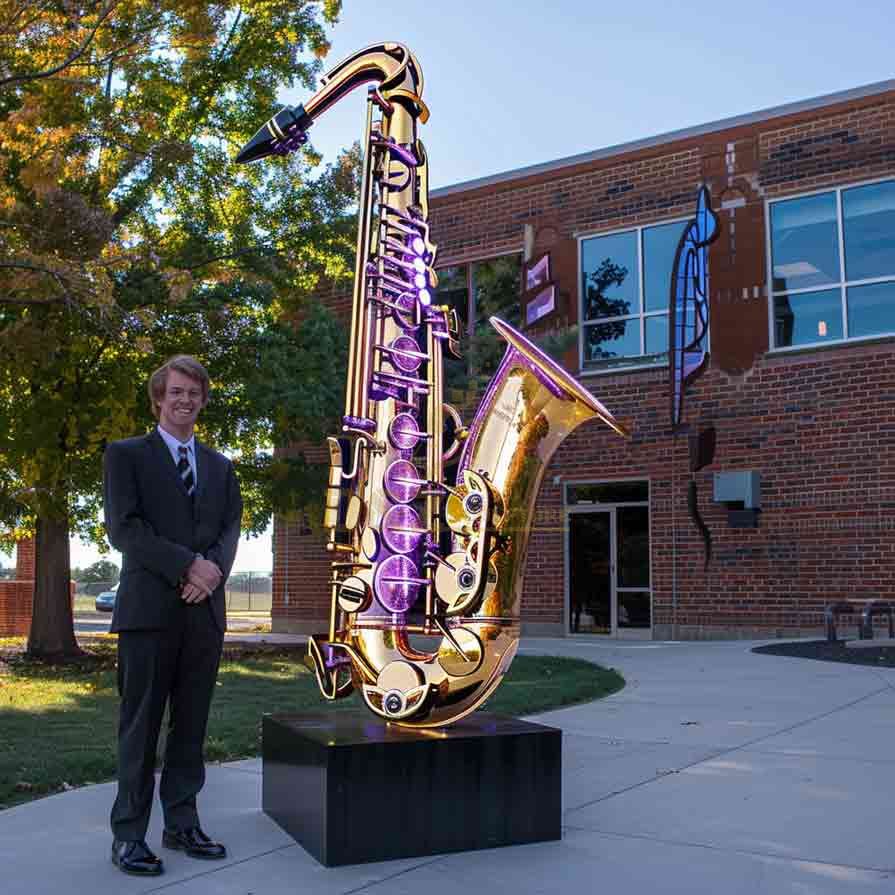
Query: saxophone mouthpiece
284,133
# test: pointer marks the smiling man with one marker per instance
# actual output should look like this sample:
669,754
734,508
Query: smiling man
173,509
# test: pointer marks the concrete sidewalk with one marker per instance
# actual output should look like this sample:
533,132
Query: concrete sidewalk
714,770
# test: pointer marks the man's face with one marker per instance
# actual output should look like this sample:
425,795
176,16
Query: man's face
181,403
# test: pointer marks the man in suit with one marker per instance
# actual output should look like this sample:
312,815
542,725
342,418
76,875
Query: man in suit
173,508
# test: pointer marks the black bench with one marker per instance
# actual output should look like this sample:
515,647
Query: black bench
867,608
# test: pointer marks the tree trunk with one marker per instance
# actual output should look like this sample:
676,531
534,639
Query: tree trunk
52,622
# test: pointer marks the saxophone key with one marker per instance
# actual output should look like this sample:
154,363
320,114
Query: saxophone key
354,595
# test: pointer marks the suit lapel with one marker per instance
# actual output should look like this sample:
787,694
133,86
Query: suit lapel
165,460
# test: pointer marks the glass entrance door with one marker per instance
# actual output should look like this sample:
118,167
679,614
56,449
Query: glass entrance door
632,587
591,572
609,571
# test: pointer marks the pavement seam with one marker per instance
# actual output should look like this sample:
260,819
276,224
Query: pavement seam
731,749
220,868
264,854
818,756
737,851
367,886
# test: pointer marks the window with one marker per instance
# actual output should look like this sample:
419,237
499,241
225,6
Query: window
477,291
625,285
833,265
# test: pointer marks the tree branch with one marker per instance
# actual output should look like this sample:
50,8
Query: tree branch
33,76
253,250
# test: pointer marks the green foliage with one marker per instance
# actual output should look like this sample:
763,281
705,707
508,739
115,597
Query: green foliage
128,234
101,570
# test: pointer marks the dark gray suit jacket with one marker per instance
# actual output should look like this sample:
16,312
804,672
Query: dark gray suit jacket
159,529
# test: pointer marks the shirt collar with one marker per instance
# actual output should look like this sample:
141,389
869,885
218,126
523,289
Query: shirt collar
174,443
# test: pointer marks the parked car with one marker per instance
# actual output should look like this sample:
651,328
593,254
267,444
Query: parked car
105,602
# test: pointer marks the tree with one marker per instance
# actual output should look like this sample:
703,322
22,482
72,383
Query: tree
127,234
101,570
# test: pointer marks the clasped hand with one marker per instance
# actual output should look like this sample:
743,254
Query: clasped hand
202,577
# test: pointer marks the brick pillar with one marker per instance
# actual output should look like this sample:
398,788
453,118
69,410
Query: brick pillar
17,596
25,559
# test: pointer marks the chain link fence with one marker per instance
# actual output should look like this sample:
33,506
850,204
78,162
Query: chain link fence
245,591
249,592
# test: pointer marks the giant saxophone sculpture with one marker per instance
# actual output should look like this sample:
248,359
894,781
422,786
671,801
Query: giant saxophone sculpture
426,575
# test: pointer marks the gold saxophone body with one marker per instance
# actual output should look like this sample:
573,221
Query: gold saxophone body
426,575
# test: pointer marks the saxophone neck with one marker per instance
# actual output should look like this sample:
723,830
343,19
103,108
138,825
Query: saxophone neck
391,66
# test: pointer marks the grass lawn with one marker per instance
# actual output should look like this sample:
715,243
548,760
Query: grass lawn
57,723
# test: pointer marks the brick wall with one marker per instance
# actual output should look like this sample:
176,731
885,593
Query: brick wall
16,596
827,527
818,425
300,593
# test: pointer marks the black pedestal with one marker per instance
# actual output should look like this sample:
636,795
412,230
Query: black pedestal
350,789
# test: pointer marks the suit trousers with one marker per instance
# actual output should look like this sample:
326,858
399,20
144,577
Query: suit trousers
176,667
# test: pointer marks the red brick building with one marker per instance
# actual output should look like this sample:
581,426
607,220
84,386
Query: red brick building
800,386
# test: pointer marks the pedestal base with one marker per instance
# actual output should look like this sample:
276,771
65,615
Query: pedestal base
351,789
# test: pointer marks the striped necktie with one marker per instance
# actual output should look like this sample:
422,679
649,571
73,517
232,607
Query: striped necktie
185,470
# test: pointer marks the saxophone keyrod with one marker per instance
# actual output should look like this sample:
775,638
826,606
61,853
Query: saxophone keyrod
417,433
399,579
391,305
440,560
409,529
401,377
402,352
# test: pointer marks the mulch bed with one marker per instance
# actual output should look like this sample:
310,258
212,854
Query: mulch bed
879,656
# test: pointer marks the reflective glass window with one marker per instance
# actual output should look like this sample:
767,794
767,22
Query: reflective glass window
610,277
657,336
871,309
634,609
453,290
659,248
868,226
809,235
805,242
807,317
605,343
626,281
632,531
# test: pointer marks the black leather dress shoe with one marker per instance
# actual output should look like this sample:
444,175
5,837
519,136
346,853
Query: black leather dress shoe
194,842
134,856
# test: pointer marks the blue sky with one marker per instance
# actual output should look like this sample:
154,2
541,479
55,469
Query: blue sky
510,84
517,83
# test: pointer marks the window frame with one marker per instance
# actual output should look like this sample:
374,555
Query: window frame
642,314
842,284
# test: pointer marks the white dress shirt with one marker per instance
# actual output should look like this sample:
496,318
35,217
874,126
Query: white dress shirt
174,446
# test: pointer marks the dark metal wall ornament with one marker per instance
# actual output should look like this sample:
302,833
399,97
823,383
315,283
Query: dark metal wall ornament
689,304
687,334
702,452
